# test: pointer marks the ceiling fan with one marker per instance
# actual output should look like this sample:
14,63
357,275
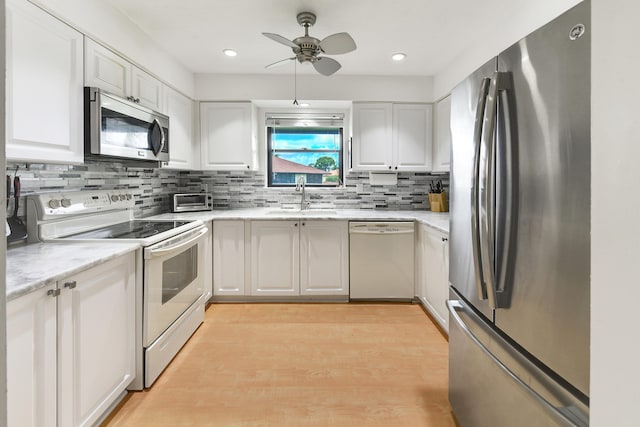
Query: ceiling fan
307,48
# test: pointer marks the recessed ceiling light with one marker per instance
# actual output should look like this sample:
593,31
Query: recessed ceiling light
398,56
230,52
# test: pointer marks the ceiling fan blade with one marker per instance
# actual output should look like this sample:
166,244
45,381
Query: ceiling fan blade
278,38
337,44
278,63
326,66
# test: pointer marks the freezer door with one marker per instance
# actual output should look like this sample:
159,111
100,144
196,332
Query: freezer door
549,302
492,385
464,266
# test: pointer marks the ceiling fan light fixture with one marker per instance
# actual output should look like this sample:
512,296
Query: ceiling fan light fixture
230,52
398,56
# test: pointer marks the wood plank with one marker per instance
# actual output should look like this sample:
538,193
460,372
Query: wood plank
302,365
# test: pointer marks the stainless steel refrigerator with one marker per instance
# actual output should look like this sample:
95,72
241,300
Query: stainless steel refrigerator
519,237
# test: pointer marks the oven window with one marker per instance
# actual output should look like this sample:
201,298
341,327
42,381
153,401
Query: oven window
178,272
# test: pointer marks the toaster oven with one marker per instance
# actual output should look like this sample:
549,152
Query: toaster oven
192,202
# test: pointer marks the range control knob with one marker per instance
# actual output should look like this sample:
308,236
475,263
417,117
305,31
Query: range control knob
114,198
65,203
54,204
122,197
129,196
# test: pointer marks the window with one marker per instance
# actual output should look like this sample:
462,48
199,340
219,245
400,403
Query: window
313,153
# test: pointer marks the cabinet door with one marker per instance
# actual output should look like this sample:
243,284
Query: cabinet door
96,338
106,70
275,255
442,145
31,359
412,140
183,150
228,258
147,90
324,258
227,139
435,273
371,147
44,99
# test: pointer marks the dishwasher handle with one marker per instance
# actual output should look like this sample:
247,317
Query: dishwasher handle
382,228
370,231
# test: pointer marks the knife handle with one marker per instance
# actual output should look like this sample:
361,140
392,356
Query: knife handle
16,187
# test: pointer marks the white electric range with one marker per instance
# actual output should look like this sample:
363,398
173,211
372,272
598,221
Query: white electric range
172,294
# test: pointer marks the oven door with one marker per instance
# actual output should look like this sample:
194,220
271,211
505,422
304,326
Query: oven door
173,280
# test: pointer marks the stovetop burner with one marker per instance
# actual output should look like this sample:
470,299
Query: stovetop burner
136,229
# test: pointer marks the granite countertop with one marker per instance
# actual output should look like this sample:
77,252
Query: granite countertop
437,220
35,266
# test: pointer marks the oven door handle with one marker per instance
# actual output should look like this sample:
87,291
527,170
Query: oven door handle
152,253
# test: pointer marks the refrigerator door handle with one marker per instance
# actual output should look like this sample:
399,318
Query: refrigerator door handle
454,306
475,223
487,186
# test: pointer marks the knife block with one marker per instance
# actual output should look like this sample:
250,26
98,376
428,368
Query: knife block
438,202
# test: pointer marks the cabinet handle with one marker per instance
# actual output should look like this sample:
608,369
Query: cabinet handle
396,168
389,167
295,225
53,292
248,166
70,285
303,224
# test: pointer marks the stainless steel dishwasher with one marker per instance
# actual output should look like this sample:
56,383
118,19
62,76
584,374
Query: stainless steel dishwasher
381,260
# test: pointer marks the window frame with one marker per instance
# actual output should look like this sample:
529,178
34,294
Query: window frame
271,152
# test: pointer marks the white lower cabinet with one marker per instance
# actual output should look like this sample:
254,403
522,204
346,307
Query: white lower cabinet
433,273
71,347
299,257
324,258
228,257
275,253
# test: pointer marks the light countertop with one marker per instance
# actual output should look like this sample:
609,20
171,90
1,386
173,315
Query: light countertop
35,266
437,220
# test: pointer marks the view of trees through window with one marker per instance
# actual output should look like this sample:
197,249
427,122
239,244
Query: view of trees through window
313,153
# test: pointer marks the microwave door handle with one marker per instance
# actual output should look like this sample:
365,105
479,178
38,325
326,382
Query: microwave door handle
152,253
475,223
163,138
156,149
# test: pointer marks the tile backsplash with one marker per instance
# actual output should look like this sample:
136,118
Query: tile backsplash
152,188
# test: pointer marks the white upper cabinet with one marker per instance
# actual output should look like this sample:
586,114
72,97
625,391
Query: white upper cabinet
184,151
227,136
412,128
371,144
44,90
109,71
442,145
391,137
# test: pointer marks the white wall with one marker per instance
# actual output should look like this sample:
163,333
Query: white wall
615,214
102,22
533,15
225,87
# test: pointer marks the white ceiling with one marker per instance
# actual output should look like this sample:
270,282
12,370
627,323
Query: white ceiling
431,32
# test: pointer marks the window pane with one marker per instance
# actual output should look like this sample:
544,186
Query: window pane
310,139
313,154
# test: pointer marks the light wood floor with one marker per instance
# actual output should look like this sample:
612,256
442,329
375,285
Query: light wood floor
302,365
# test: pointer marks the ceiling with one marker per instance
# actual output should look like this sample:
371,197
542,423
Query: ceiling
431,32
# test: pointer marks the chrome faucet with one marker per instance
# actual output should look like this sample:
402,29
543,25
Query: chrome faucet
300,186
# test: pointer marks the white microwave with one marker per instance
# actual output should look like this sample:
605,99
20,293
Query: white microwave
117,127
